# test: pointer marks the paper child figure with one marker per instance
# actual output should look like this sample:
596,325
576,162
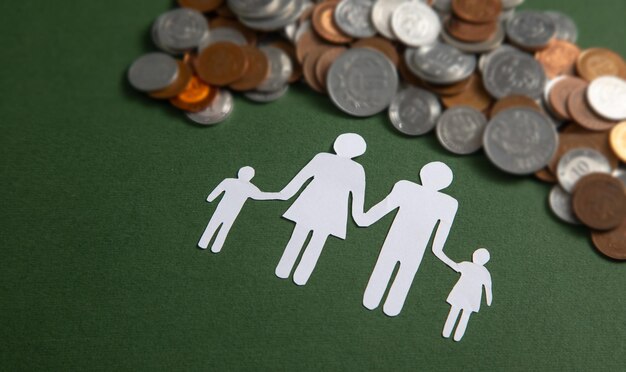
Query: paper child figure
420,208
322,208
236,192
466,295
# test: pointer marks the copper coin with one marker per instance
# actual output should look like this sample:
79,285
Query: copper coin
380,44
196,96
477,11
307,42
222,63
599,201
184,75
323,21
574,137
514,101
581,112
324,62
448,90
224,11
546,175
203,6
309,66
290,50
596,62
474,96
250,35
560,92
258,70
559,58
617,140
471,32
611,243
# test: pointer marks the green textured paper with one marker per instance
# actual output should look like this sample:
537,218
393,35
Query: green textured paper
102,202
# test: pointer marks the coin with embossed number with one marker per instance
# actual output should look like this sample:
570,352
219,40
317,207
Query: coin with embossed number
415,24
362,82
520,141
353,18
530,30
460,130
511,72
179,30
439,63
579,162
381,16
414,111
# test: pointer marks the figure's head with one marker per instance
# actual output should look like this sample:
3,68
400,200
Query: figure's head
436,176
246,173
350,145
481,256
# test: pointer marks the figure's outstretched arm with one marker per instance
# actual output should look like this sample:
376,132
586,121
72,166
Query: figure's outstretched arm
443,230
488,294
257,194
296,183
216,192
378,211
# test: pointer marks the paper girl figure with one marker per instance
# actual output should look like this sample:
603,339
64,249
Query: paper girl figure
466,295
236,192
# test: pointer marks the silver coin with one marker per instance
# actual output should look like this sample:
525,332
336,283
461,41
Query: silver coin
255,8
354,18
415,24
508,4
561,205
381,16
218,111
414,111
288,13
223,34
520,141
507,14
460,130
607,97
509,73
566,29
153,71
266,97
439,63
530,29
180,30
281,69
486,46
486,57
620,174
546,97
579,162
362,82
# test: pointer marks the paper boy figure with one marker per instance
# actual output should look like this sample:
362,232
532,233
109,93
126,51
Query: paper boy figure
466,295
236,192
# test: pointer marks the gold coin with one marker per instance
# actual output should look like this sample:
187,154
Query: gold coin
618,140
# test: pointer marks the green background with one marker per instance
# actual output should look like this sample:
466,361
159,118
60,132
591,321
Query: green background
102,203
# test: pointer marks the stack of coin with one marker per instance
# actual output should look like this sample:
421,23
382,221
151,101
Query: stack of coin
478,73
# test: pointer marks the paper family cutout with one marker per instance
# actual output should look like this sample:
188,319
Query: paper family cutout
321,210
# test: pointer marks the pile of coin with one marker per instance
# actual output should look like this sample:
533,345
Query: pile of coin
479,73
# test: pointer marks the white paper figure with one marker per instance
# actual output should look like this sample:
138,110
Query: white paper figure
322,208
236,192
467,293
420,208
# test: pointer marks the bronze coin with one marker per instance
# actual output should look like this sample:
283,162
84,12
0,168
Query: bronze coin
581,112
250,35
477,11
203,6
559,58
307,42
407,75
224,11
323,21
448,90
184,75
560,92
308,68
380,44
573,136
611,243
258,70
196,97
324,62
222,63
599,201
514,101
290,50
617,139
595,62
546,175
471,32
474,96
